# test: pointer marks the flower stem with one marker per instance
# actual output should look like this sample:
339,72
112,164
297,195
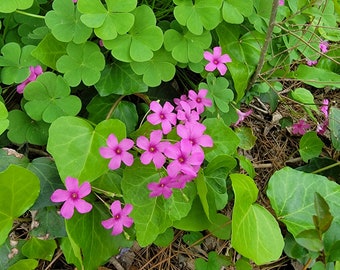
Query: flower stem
327,167
30,14
114,106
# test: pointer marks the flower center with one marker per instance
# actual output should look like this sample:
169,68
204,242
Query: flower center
181,159
117,216
162,185
74,195
192,142
152,149
198,100
162,116
216,61
118,151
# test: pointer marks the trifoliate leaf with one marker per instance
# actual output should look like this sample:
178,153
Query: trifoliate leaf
83,62
233,11
49,98
13,5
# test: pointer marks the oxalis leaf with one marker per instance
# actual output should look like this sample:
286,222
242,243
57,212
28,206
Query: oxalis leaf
234,11
19,188
74,144
3,118
49,98
256,234
83,62
141,41
110,20
199,15
152,216
13,5
64,21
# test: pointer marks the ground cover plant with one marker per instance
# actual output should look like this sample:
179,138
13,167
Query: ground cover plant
129,126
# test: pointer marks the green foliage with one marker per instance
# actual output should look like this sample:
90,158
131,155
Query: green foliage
28,264
234,11
3,118
215,261
36,248
317,77
14,198
256,233
246,136
310,146
11,6
334,125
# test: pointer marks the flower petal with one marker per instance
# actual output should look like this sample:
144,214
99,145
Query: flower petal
67,209
146,157
225,58
116,208
112,141
106,152
156,136
127,222
108,223
153,119
126,144
127,209
210,67
117,228
143,142
71,184
83,206
127,158
222,69
217,51
84,189
60,195
208,56
115,163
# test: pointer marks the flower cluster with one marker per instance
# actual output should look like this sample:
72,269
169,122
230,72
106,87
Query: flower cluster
217,60
34,73
324,47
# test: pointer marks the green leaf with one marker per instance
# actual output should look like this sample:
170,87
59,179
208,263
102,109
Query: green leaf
234,10
64,21
192,237
91,237
215,261
285,195
19,188
74,145
152,216
49,98
323,218
141,41
165,239
49,50
256,234
83,62
293,249
160,68
246,164
198,15
69,253
119,79
218,92
10,156
310,146
246,136
4,122
310,240
11,6
334,126
15,62
107,20
224,138
27,264
36,248
23,129
220,226
186,47
305,97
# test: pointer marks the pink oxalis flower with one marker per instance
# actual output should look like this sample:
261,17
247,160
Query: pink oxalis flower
217,60
162,115
242,116
300,127
163,187
153,149
311,62
34,73
198,100
186,115
73,197
119,218
321,128
117,152
324,46
281,2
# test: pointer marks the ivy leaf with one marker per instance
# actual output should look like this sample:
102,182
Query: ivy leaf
119,79
310,146
186,47
49,97
256,233
64,21
35,248
3,118
152,216
15,62
246,136
234,11
160,68
141,41
28,264
110,20
13,5
23,129
218,92
74,145
198,15
83,62
19,188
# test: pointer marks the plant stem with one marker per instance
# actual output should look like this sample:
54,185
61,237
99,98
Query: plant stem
114,106
266,44
30,14
327,167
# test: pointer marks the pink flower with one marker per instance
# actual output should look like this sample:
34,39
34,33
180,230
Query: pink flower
161,188
177,101
281,2
72,197
162,115
242,116
117,152
34,73
311,62
198,100
120,218
324,46
153,149
324,107
75,1
184,159
186,114
179,181
217,60
300,127
322,128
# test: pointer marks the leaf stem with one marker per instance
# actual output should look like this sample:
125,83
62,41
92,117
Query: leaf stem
30,14
266,44
327,167
114,106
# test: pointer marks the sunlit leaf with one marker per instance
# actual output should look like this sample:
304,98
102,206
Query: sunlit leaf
11,6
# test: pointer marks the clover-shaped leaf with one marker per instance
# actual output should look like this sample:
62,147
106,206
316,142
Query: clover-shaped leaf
233,11
83,62
185,46
110,20
3,118
64,21
160,68
13,5
140,42
23,129
15,62
49,98
199,15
